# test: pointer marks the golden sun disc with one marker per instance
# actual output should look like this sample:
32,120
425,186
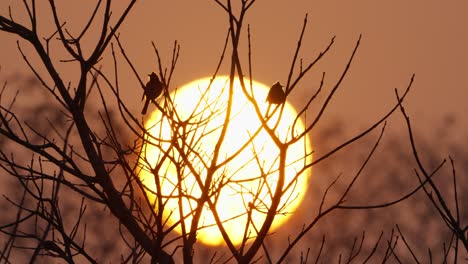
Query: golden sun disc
240,183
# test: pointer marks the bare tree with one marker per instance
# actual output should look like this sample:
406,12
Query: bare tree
83,163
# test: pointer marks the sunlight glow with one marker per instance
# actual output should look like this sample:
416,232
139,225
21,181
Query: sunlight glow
241,178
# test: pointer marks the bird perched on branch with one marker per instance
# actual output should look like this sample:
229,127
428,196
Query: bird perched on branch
153,89
276,94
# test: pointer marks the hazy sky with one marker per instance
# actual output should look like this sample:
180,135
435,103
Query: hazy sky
428,38
425,37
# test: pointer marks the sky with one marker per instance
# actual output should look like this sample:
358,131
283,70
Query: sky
399,38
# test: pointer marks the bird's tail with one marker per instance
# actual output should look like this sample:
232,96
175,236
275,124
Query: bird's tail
145,107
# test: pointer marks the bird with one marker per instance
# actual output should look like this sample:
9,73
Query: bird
153,89
276,94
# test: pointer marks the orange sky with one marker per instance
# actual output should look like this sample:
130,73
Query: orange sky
400,37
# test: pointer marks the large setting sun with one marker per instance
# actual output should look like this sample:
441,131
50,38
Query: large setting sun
242,184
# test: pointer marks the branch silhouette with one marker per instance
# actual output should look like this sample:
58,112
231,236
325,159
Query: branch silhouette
87,166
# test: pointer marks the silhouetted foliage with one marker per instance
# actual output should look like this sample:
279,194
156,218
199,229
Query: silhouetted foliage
78,152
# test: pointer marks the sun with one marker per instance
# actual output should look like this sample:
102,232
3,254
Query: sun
244,182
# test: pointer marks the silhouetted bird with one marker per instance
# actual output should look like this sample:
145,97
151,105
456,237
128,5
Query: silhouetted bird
153,89
276,94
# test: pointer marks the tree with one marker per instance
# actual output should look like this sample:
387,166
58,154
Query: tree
83,163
